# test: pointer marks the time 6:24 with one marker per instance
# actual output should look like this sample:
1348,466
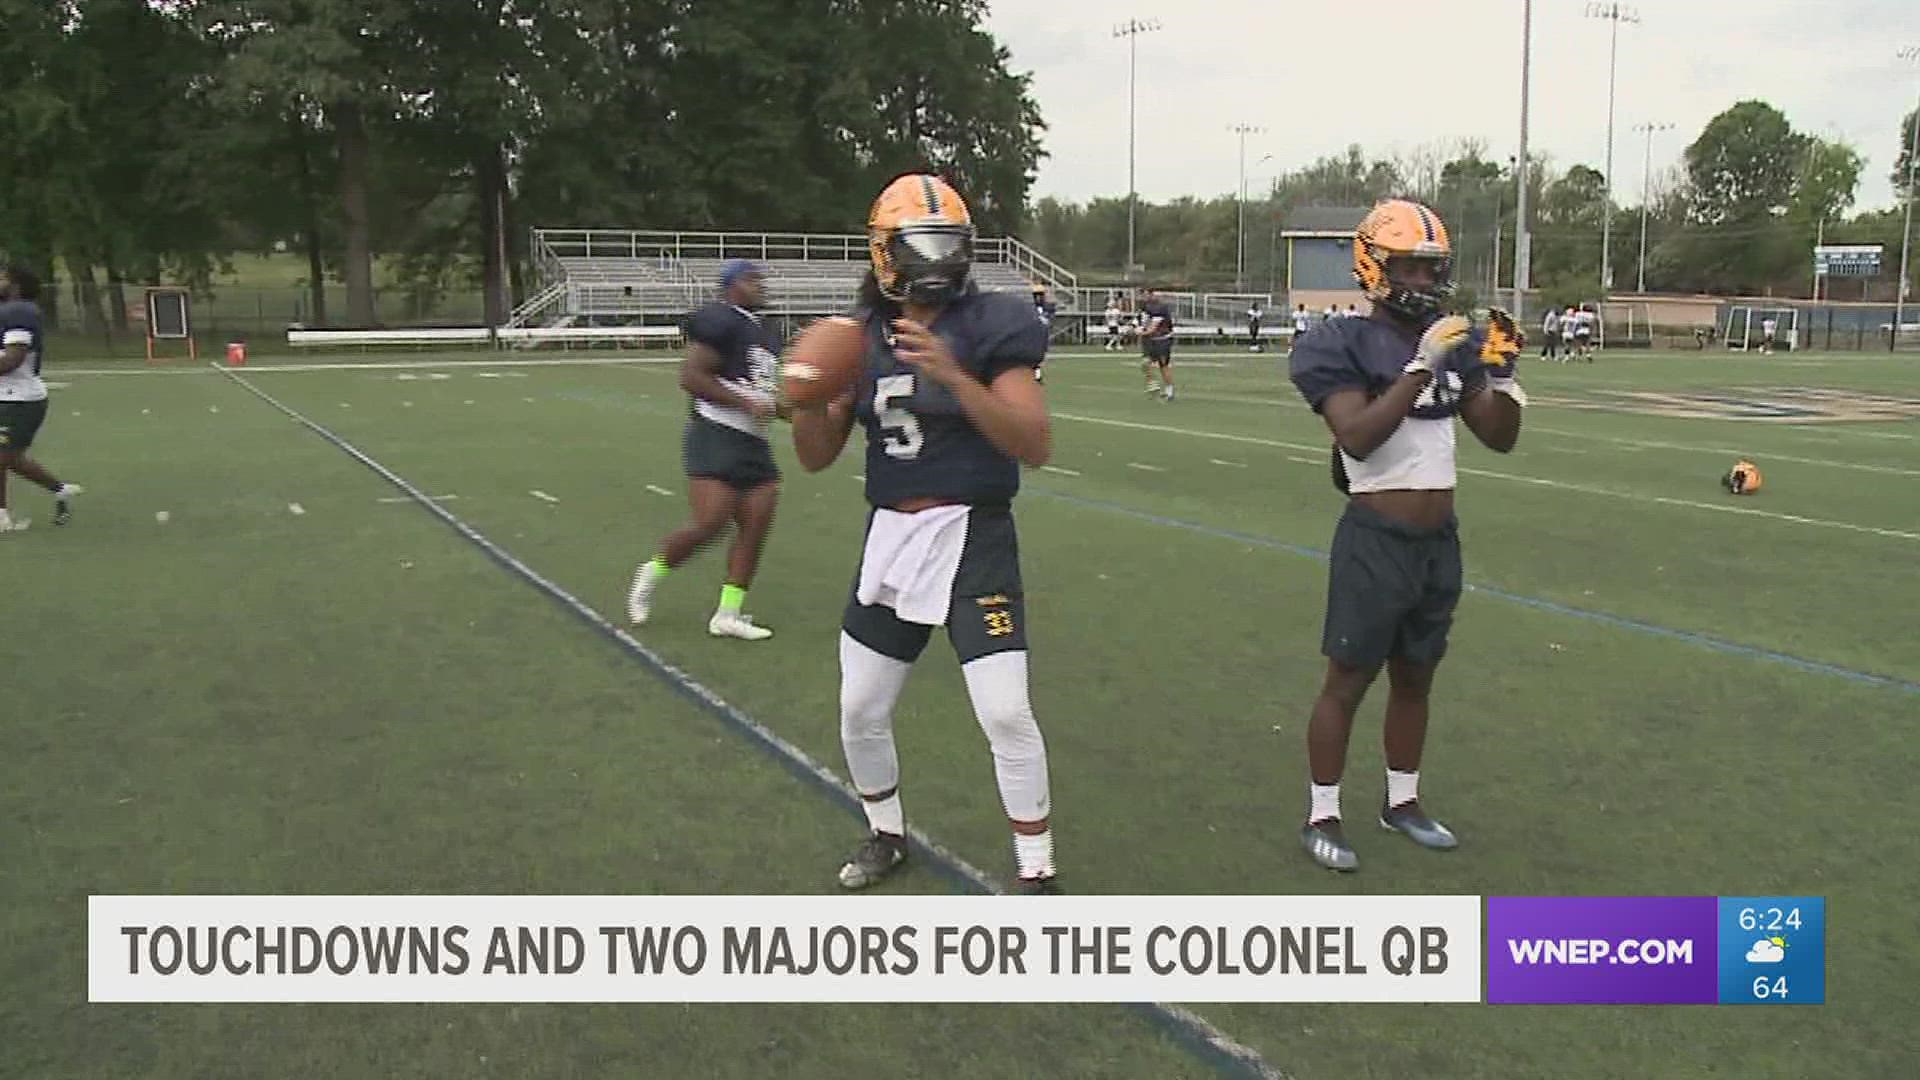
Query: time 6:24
1772,918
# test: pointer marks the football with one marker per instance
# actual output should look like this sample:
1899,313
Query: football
823,361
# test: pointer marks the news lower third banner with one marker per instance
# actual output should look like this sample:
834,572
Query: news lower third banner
1672,950
784,949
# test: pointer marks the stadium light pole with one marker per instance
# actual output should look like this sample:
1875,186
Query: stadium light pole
1522,239
1911,54
1615,14
1240,230
1646,196
1131,30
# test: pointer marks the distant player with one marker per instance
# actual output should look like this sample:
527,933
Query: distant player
1584,322
1045,309
1113,316
1569,333
1352,312
951,412
1332,313
1550,335
23,395
1253,326
1302,322
1156,344
1389,386
1768,327
731,477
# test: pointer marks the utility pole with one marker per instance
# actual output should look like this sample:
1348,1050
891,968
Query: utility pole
1131,30
1615,14
1240,230
1911,54
1522,239
1646,196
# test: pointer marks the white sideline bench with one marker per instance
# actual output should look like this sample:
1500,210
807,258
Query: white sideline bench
480,335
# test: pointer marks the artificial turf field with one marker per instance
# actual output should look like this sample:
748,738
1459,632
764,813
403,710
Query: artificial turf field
1654,688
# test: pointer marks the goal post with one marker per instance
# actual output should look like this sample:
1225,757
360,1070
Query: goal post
1626,324
1746,327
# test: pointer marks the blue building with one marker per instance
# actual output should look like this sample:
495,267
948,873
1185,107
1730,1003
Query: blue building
1319,241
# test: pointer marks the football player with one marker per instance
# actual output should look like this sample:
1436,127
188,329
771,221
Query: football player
1156,344
23,395
1389,385
1302,322
731,477
950,409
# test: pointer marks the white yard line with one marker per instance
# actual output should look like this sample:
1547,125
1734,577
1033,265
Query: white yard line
1143,467
1057,469
296,510
1536,481
1229,464
1655,444
391,365
542,496
658,490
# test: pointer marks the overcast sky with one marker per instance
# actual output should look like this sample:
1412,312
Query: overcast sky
1393,74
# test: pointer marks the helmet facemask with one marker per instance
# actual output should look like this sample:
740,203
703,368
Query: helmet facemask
928,262
1416,300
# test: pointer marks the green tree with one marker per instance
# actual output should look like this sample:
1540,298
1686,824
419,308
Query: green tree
1903,176
341,59
1743,167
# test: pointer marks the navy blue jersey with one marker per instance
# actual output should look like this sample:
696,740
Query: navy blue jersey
1157,309
747,348
1368,354
20,326
920,443
735,334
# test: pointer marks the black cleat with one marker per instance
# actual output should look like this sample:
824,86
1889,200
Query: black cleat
1413,823
878,856
63,503
1038,886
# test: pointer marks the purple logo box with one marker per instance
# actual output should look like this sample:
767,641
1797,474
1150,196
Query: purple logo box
1602,950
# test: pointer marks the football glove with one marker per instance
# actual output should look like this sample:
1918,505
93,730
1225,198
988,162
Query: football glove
1500,353
1445,335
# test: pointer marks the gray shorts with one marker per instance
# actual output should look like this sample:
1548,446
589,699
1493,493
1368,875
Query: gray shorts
1391,590
987,614
718,452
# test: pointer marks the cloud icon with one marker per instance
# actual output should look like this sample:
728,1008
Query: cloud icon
1767,951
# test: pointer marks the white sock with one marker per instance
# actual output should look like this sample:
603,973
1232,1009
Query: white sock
1034,854
1325,802
1402,787
885,815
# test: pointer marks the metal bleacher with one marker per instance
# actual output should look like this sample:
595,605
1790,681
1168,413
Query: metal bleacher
618,277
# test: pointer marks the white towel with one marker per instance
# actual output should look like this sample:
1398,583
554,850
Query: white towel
911,560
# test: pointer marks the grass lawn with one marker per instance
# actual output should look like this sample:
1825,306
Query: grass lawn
1653,689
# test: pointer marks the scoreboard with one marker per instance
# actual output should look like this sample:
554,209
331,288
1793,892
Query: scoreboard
1847,260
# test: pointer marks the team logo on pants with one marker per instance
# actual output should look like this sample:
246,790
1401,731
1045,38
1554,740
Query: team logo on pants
999,621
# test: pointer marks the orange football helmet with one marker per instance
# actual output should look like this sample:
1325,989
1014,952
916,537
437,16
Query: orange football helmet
1399,229
1742,479
920,240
